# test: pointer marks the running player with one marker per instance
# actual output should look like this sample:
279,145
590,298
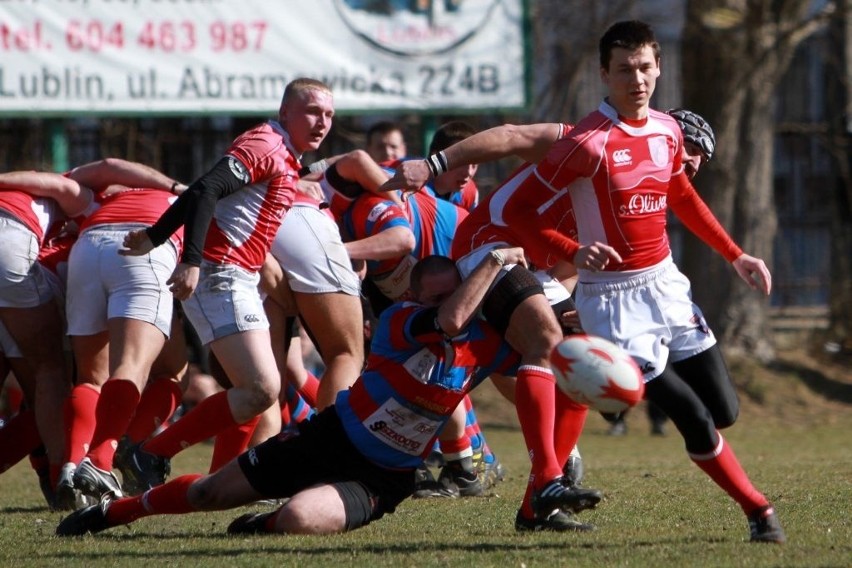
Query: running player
621,168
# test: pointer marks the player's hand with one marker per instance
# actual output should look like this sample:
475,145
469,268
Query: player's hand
754,272
596,257
514,255
183,281
571,320
136,243
310,188
411,175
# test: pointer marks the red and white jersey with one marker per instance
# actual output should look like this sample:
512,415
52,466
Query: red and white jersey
38,214
133,205
619,177
245,222
494,220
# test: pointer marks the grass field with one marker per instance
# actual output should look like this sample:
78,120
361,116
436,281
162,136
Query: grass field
659,511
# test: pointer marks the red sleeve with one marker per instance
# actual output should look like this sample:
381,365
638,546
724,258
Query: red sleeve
685,202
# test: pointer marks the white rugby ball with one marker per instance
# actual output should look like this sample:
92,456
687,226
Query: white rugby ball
597,373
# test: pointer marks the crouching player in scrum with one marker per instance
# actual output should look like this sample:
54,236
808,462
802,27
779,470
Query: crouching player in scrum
380,429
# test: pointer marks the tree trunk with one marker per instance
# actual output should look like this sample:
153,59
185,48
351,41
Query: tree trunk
733,60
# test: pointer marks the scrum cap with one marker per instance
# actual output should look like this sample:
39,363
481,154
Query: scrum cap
695,129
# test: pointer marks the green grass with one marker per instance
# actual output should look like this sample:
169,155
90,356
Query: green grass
659,511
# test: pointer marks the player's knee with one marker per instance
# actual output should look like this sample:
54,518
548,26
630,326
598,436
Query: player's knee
727,416
203,496
301,518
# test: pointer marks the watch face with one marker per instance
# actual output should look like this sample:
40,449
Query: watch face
416,27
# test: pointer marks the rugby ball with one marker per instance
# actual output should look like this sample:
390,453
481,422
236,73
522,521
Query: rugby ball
597,373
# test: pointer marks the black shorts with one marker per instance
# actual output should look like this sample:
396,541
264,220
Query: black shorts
321,453
515,287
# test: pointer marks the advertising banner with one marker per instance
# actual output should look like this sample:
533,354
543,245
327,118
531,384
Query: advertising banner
71,57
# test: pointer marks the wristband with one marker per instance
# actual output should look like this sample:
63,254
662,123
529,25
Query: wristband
437,163
174,187
498,257
315,168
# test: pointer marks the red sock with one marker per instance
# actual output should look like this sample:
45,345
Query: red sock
18,438
723,467
231,442
158,402
570,419
456,449
116,405
208,418
526,505
79,418
309,389
167,499
535,402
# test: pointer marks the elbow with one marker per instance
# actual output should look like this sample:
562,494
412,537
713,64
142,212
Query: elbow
452,324
407,243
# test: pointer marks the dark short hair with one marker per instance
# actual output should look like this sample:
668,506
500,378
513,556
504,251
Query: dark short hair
432,264
384,127
631,35
449,133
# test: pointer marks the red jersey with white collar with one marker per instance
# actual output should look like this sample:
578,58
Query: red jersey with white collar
619,179
245,222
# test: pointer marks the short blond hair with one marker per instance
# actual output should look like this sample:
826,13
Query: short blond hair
298,86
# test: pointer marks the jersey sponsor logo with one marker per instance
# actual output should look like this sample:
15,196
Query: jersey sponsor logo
622,157
658,146
643,204
381,427
377,211
252,318
238,169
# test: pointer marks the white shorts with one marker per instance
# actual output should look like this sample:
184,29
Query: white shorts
554,291
8,347
103,285
225,302
24,283
650,315
310,251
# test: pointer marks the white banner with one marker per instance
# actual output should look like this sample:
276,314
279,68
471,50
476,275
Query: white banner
61,57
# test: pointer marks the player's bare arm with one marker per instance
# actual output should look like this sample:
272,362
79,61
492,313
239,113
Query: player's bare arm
72,197
529,142
390,243
458,309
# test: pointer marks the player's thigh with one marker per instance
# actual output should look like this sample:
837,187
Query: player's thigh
133,346
247,359
708,376
335,320
533,330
